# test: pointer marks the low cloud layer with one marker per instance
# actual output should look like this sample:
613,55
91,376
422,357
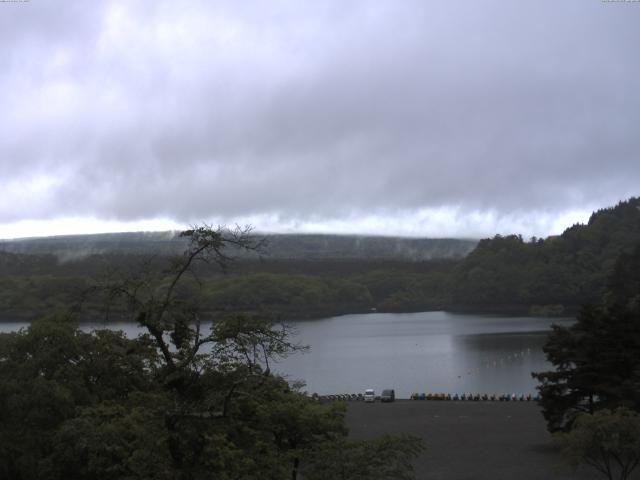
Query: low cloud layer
413,117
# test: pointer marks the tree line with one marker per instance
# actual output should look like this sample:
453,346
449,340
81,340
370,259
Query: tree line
551,276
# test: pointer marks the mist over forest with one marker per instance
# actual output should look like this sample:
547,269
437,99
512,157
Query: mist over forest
310,276
277,246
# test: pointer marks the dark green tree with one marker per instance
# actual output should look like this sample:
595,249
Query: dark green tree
48,374
596,360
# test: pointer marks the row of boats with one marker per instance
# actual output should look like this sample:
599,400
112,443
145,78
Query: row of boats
344,397
456,397
476,397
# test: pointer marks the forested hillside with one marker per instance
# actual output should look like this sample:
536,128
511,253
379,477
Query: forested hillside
506,273
294,276
278,246
331,275
32,285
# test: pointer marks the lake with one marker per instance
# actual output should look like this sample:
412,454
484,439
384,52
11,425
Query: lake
410,352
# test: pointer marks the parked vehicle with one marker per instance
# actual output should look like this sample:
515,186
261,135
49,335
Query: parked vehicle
369,395
388,395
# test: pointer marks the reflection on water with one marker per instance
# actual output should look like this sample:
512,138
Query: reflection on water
421,352
414,352
500,363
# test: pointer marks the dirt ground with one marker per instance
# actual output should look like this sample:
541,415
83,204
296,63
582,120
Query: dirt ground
470,440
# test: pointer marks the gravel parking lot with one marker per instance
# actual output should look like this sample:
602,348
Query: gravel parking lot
470,440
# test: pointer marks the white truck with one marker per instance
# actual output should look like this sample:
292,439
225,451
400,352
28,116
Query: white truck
369,395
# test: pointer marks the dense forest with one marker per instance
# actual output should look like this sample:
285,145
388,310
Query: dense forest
293,276
553,274
314,276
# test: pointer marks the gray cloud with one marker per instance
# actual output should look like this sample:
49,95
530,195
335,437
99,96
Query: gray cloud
319,113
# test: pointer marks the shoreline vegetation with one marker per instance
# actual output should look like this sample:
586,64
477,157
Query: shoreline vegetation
535,311
325,276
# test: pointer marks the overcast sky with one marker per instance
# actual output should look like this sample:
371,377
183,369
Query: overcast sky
438,118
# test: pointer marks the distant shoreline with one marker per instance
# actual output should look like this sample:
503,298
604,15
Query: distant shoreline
510,310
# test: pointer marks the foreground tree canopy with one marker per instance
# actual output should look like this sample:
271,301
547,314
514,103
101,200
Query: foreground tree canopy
597,359
176,402
607,441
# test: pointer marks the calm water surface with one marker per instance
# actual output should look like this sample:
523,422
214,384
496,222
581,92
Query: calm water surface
421,352
412,352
